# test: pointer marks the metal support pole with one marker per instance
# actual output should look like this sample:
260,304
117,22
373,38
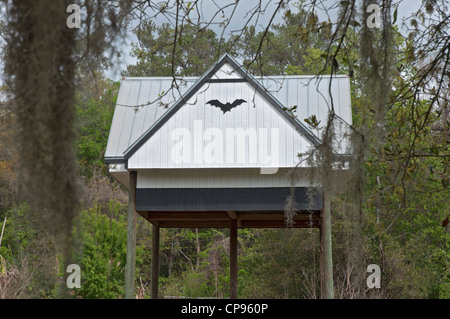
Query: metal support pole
233,259
326,259
131,240
155,260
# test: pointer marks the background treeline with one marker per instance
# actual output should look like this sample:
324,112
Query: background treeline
405,195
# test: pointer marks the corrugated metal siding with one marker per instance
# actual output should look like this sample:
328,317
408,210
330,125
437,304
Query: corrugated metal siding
216,178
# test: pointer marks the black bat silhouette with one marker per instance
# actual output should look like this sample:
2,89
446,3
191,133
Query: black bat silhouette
227,106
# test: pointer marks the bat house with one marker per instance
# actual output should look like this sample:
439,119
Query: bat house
218,150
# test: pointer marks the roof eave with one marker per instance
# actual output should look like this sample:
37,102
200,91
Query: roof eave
114,160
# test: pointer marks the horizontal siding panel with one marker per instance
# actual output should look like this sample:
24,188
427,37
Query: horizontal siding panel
211,178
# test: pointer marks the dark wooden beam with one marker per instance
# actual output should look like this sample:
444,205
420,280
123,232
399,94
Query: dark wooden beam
243,224
232,214
277,224
187,216
220,219
274,216
194,224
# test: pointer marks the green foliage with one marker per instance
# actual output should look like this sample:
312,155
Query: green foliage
18,233
102,256
195,284
296,46
95,109
282,263
196,49
27,254
406,202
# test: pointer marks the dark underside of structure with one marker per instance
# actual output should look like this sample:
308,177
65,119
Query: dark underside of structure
218,207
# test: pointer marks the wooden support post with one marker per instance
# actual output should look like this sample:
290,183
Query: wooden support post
155,260
326,260
131,240
233,259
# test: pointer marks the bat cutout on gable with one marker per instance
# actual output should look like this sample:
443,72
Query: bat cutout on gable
227,106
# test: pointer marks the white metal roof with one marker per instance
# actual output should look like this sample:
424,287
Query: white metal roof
140,103
143,101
